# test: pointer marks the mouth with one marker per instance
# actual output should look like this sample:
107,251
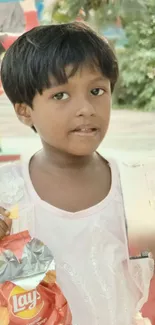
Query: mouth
86,130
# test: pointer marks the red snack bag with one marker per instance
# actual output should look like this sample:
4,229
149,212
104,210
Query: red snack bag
23,262
148,309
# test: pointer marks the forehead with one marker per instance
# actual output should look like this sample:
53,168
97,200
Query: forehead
87,68
86,71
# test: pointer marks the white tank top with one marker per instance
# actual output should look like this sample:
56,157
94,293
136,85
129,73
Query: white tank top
100,282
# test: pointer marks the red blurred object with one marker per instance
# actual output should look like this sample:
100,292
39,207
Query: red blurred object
149,308
1,88
9,157
9,40
31,20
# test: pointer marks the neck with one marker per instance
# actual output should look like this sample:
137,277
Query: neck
54,158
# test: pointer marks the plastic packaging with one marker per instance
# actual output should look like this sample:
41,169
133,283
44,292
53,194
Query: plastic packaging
29,294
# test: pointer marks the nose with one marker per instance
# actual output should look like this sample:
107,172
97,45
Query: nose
85,108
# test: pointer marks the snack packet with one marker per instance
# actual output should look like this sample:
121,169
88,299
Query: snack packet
148,309
29,294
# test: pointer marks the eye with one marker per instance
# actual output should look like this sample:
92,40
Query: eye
97,92
61,96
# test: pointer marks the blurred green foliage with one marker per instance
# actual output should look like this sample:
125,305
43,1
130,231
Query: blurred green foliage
136,87
106,11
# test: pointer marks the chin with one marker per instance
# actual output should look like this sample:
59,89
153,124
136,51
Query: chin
81,152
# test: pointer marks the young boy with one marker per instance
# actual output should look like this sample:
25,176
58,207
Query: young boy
60,79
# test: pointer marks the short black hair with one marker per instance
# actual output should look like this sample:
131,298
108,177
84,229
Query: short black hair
45,51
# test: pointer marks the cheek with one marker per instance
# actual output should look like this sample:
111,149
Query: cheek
107,101
49,123
104,107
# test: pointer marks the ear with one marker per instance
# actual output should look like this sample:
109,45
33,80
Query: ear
23,112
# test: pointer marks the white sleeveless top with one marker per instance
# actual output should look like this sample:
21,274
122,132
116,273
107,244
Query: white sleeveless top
100,282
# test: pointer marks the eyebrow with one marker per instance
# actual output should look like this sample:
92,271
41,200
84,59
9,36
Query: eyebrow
100,79
55,83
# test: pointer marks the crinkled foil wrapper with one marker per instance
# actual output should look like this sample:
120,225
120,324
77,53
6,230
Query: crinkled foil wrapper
36,259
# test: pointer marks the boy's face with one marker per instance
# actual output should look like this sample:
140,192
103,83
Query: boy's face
73,117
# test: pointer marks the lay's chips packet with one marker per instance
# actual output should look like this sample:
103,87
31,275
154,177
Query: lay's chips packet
29,294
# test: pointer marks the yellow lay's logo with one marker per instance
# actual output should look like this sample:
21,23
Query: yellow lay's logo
25,304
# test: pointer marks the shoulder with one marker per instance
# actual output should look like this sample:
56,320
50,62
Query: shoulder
138,171
112,162
11,184
133,171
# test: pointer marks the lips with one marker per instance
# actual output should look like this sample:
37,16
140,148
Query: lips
85,129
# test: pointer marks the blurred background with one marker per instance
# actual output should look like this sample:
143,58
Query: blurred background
129,26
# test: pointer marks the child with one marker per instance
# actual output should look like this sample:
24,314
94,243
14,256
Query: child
60,79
